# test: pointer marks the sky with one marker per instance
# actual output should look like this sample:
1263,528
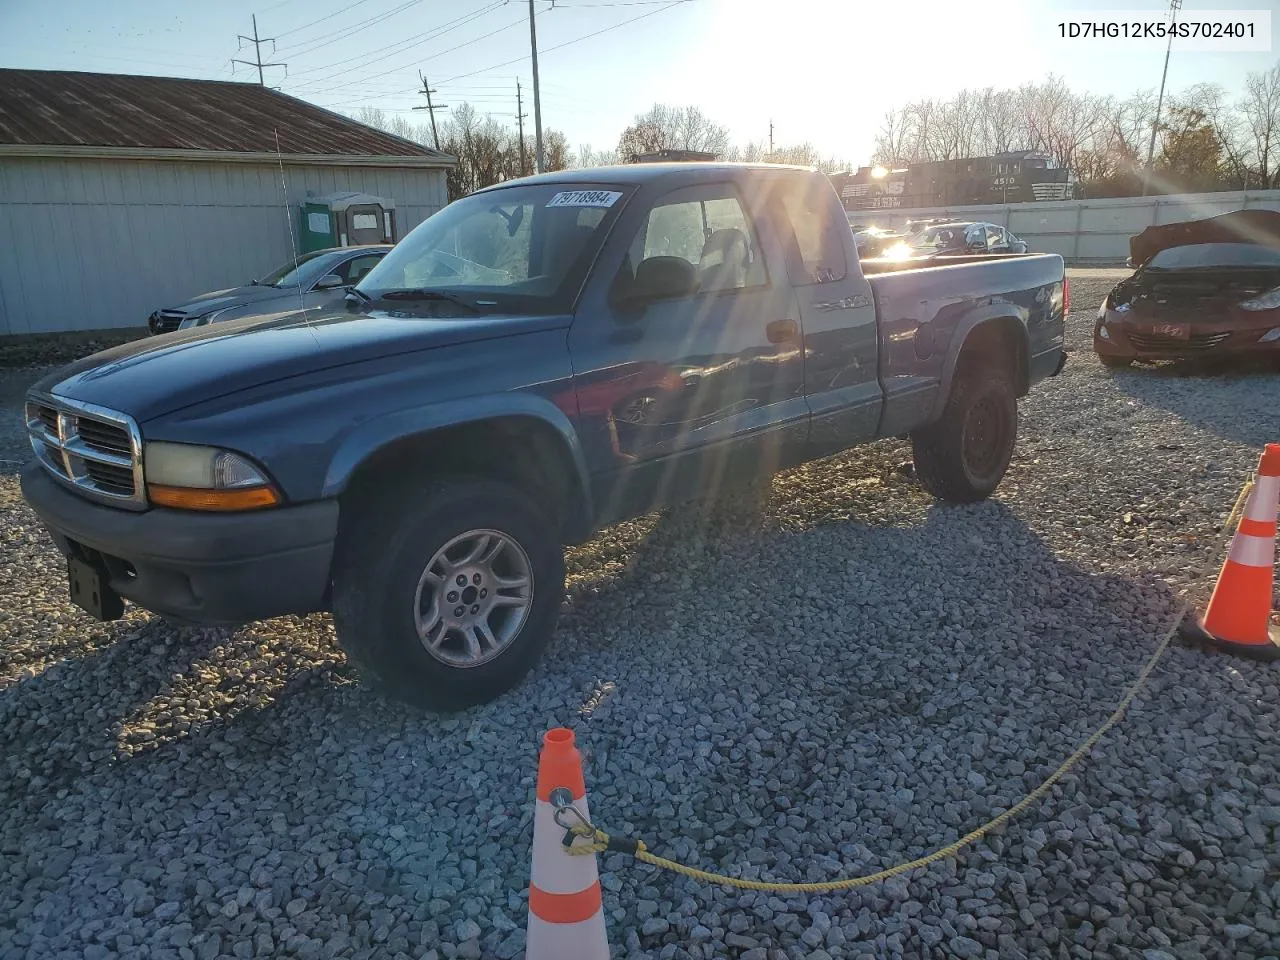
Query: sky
822,71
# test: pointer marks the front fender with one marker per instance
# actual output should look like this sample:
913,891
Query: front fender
373,435
987,313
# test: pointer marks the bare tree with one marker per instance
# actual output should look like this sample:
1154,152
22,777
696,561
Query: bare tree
394,124
1228,126
664,127
896,139
1261,111
589,157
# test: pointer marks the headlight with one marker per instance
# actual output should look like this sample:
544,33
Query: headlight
1267,301
190,477
1270,336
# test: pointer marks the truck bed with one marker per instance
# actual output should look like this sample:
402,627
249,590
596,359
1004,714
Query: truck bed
924,307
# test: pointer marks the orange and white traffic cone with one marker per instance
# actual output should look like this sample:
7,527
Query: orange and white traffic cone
566,913
1238,618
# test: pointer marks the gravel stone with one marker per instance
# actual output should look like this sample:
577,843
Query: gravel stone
825,678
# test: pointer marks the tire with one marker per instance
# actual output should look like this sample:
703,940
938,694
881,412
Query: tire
958,458
1115,363
381,561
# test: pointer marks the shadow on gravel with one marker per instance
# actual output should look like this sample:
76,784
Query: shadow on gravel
1223,397
850,657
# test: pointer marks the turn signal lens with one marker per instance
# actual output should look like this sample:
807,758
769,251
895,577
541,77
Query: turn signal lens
191,498
191,477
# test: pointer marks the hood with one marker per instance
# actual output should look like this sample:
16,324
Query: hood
156,375
233,296
1261,227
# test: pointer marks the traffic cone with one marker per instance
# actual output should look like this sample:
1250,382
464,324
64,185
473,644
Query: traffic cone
566,914
1238,618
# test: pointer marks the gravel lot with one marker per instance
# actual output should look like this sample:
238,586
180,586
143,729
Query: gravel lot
837,680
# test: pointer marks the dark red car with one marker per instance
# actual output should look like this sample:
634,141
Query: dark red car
1202,288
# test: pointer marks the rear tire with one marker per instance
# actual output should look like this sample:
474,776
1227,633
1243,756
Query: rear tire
963,456
395,568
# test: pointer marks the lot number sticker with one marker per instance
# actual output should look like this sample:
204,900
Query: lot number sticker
585,198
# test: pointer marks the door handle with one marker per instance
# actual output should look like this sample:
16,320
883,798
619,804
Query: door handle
780,331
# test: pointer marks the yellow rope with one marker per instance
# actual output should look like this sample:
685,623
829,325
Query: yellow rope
601,841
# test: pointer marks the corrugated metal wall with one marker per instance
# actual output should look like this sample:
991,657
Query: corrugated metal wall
98,244
1086,231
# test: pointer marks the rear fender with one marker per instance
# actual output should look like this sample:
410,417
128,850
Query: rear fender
1004,314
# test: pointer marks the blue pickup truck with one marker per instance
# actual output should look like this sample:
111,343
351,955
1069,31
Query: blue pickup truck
538,359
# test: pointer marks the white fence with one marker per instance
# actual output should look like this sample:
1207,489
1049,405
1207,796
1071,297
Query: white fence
1085,231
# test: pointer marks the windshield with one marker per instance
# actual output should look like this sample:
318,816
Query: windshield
521,247
1215,255
309,268
940,236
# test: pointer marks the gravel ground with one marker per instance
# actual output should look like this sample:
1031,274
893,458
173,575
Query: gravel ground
828,683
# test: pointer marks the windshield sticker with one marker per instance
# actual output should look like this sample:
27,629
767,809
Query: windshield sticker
585,198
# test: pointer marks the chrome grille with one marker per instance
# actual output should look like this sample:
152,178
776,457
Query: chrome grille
96,451
165,321
1194,344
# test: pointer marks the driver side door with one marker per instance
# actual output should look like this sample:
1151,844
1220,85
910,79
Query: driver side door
679,391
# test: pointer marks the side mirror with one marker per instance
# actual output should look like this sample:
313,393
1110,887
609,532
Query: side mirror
659,278
329,281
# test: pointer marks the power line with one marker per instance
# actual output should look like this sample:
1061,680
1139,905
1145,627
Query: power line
403,46
325,39
257,53
375,76
330,16
619,3
561,46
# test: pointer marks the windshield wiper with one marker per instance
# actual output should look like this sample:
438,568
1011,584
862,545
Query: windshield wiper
423,293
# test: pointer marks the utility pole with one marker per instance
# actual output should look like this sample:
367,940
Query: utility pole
520,115
770,138
257,52
1174,5
431,108
537,96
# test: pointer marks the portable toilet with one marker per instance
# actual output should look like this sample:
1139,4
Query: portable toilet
347,219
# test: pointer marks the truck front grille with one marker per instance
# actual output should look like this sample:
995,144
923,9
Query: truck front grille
96,451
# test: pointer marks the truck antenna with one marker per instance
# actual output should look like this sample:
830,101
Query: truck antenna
288,221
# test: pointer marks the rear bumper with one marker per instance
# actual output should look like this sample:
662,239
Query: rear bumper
207,568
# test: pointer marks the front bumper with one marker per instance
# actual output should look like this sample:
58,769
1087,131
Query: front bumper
1131,340
206,568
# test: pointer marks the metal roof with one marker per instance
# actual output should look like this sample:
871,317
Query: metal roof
69,109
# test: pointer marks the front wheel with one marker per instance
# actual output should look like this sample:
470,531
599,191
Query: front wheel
964,455
446,592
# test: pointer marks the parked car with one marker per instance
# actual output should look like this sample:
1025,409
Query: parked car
312,282
536,360
873,241
956,239
1201,288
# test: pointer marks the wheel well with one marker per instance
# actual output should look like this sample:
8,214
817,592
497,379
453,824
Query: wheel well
522,451
999,342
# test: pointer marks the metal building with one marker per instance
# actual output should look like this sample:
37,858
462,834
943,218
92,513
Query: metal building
122,193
